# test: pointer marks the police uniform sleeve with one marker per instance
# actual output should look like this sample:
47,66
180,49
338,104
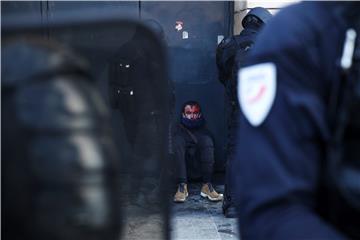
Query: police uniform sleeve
278,167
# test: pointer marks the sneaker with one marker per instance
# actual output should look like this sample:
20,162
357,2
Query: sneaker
182,193
208,191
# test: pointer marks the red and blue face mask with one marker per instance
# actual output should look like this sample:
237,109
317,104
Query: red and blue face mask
191,116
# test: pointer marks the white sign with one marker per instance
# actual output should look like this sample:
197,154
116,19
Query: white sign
179,25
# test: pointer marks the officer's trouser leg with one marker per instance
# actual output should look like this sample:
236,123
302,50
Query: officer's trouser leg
232,138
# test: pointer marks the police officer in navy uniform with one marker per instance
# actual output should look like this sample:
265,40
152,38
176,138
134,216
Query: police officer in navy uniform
297,158
231,52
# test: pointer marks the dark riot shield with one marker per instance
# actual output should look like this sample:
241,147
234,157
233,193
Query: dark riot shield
128,68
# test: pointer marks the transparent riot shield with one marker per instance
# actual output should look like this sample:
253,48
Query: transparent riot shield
128,69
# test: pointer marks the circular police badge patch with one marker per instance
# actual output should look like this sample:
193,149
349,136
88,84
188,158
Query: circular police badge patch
256,91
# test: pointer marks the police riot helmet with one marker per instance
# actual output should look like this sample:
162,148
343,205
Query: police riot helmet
257,15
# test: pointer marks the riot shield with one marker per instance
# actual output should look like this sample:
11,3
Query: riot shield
128,68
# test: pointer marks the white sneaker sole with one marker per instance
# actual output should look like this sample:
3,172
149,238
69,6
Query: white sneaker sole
210,198
181,200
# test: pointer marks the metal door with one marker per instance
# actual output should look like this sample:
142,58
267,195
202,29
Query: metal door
193,30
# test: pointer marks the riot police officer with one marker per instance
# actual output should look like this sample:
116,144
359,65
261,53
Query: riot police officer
298,152
229,54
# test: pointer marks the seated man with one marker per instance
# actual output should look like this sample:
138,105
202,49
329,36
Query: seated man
193,146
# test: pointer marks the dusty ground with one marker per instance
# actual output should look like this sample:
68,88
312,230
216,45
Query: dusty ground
198,218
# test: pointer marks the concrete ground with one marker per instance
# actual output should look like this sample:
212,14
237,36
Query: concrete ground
198,218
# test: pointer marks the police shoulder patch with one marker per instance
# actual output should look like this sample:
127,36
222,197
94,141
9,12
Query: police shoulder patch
256,91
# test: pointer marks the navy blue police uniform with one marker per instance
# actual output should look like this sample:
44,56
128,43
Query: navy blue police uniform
284,92
242,41
230,54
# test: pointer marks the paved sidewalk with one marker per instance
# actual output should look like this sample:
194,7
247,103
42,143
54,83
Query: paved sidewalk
198,218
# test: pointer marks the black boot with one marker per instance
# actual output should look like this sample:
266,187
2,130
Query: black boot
228,208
